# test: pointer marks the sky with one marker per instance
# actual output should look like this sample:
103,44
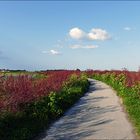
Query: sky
40,35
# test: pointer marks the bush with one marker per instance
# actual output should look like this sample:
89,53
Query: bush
37,115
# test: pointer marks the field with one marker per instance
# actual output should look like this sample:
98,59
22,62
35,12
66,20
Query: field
30,101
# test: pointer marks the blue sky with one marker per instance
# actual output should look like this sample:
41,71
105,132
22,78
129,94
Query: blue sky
68,35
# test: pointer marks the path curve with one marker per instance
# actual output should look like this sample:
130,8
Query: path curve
97,115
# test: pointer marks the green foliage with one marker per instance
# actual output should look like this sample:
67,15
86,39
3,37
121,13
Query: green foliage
38,76
36,116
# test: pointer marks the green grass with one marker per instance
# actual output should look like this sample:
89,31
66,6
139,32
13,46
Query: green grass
34,75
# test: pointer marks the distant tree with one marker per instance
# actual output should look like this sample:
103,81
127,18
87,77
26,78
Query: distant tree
78,70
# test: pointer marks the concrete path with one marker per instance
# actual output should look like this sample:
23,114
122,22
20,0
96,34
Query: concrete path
97,115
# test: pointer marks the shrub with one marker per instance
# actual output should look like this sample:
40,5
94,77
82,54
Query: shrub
36,115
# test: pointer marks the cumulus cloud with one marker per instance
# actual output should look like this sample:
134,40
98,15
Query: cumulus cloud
98,34
77,46
76,33
127,28
94,34
53,52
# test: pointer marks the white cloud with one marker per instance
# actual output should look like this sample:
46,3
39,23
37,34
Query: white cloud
53,52
98,34
90,46
94,34
76,33
77,46
127,28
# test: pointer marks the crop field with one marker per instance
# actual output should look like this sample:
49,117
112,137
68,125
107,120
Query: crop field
17,89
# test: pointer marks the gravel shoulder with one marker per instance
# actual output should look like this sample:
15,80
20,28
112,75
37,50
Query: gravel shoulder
97,115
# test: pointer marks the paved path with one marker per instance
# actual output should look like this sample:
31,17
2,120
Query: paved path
97,115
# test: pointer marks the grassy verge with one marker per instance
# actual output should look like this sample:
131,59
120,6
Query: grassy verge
129,95
36,116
